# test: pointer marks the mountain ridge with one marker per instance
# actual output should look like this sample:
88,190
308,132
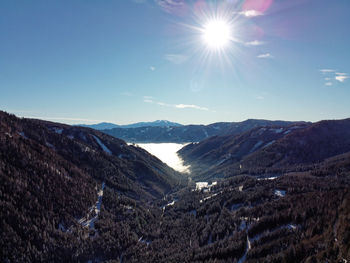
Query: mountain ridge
189,133
269,149
108,125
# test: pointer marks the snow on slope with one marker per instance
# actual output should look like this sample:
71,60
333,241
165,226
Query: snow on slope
104,147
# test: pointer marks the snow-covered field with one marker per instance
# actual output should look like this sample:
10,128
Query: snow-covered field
166,152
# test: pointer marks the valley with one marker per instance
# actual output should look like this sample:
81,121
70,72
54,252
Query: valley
167,153
271,193
174,131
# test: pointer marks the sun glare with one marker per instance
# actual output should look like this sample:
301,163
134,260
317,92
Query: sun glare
216,34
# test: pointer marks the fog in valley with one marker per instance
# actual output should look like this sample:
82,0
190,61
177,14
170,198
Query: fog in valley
166,152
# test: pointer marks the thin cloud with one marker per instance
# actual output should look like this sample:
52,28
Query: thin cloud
254,43
333,74
139,1
177,7
260,98
148,99
341,78
152,68
324,71
176,58
251,13
191,106
266,55
126,93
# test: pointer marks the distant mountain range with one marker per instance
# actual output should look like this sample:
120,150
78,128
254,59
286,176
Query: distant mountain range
264,150
189,133
107,125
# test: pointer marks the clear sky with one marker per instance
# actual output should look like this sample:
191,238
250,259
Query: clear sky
124,61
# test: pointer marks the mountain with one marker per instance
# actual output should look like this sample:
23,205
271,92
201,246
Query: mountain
268,149
158,123
188,133
100,126
74,194
51,175
107,125
104,157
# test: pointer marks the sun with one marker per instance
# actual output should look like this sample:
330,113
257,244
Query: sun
216,34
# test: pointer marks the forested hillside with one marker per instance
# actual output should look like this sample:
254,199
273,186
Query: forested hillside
268,150
50,178
72,194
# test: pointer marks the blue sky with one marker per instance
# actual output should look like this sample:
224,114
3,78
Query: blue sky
124,61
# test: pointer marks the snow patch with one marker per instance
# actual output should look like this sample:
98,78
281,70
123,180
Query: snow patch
57,130
171,203
204,185
268,144
248,247
267,178
201,185
92,216
227,157
206,134
209,197
104,147
280,193
277,130
290,226
261,131
147,242
256,146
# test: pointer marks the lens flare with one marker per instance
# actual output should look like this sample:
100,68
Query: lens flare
216,33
